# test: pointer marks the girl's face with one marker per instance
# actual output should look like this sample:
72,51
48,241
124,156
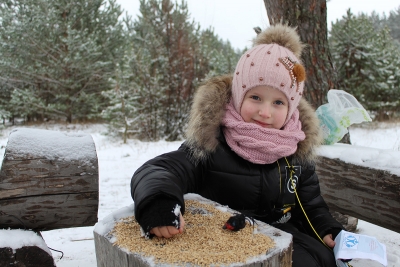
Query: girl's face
265,106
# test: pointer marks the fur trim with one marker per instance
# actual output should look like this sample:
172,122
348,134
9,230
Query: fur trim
282,35
208,109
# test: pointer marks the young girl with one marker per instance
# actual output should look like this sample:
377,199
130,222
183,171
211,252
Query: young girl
250,145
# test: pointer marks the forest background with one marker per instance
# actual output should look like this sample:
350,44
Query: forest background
88,61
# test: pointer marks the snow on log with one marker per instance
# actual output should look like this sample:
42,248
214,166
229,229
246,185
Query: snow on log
361,182
48,180
118,241
24,248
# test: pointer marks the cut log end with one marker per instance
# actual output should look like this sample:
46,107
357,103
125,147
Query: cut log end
48,180
29,256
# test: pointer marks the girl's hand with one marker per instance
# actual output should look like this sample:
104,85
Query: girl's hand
168,231
329,241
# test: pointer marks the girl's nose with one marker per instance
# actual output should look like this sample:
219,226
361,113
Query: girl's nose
265,111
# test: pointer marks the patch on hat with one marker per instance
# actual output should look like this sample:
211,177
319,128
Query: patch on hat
296,71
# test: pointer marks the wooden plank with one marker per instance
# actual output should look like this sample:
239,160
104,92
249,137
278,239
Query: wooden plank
365,193
108,254
49,180
49,212
39,176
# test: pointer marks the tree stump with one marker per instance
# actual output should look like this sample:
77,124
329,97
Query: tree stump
24,249
48,180
110,254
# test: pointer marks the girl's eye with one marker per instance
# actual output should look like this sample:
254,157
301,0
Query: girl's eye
255,97
278,102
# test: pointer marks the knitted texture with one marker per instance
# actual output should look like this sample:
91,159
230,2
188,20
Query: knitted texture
271,65
257,144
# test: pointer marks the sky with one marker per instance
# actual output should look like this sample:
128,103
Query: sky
234,20
118,161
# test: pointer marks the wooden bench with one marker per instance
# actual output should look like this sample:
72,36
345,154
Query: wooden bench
48,180
361,190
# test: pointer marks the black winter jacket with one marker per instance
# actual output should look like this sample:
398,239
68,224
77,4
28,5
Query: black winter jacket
206,165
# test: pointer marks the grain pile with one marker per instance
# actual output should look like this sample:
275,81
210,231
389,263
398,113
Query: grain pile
202,243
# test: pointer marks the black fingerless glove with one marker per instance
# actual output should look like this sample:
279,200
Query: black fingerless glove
160,212
335,232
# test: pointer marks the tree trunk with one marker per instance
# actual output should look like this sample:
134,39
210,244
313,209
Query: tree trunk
309,16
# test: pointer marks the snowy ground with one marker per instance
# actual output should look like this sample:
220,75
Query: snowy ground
118,161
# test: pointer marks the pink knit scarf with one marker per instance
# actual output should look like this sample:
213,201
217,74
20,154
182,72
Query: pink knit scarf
257,144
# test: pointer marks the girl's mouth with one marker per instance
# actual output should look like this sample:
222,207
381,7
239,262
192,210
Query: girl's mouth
262,124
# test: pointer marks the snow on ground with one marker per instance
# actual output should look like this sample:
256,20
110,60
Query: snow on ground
118,161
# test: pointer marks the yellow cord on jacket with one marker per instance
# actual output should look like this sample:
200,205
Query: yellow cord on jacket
301,206
291,168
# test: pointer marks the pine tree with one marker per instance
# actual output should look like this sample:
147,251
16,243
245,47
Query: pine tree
218,55
155,68
169,56
366,60
58,56
393,22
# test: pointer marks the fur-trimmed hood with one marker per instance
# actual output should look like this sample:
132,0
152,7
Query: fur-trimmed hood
208,109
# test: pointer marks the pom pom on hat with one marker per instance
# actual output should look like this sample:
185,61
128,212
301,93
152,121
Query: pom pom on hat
282,35
273,61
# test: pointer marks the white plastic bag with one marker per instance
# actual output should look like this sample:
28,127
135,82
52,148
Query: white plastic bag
342,110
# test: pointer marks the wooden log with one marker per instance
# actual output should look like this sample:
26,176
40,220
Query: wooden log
48,180
365,193
33,254
349,223
108,254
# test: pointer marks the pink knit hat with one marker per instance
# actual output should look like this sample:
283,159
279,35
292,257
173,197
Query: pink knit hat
273,61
